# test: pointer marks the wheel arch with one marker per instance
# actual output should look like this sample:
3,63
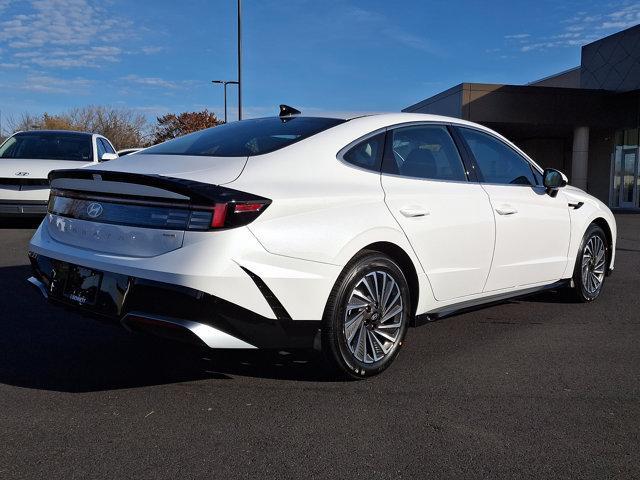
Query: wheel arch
592,213
604,225
402,258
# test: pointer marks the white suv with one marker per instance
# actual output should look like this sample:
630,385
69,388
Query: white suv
26,158
302,232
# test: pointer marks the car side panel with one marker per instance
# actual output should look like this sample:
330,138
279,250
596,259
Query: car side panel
332,229
329,213
319,204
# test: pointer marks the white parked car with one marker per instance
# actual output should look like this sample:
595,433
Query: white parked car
26,158
301,232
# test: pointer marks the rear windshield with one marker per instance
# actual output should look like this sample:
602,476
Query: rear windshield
245,138
48,146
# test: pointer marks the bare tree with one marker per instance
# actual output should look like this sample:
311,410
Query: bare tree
125,128
25,121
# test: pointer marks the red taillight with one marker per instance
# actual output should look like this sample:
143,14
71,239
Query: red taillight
231,214
219,215
247,207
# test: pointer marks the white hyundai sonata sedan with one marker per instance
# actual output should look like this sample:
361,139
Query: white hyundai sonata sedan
301,232
26,158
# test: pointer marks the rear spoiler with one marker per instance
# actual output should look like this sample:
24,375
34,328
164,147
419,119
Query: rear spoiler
191,191
150,201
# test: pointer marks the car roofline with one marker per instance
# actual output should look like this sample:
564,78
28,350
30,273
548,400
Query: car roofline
74,132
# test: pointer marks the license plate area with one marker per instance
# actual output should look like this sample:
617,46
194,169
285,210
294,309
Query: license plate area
81,285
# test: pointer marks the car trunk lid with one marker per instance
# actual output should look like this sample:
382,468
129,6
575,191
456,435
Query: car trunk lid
214,170
130,214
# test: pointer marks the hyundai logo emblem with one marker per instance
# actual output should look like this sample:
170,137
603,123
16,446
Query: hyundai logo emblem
22,174
94,210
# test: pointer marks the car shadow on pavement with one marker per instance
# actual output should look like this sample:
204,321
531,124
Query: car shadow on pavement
46,347
49,348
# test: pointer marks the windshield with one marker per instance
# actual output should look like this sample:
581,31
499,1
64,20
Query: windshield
245,138
48,146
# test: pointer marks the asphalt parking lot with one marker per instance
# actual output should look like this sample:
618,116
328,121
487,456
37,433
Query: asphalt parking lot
534,388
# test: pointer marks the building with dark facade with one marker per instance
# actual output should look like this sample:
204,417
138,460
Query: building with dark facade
584,121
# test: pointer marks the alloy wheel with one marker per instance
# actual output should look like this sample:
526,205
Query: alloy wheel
593,264
374,317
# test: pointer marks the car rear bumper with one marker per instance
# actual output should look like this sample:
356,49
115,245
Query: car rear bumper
23,208
220,264
172,311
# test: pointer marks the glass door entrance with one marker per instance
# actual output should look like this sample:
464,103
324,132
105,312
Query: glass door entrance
626,174
629,179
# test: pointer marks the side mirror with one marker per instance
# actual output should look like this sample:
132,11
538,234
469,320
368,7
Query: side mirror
553,179
108,156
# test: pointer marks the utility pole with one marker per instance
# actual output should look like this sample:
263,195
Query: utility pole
239,59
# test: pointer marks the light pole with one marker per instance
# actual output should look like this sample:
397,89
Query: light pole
239,59
225,83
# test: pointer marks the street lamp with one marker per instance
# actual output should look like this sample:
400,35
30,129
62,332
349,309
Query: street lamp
236,82
225,83
239,59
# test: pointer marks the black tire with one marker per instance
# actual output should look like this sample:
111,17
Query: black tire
337,349
581,289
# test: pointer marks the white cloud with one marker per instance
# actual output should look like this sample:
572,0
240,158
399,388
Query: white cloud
384,27
50,84
63,34
150,81
620,24
151,50
83,57
568,35
623,18
153,110
580,29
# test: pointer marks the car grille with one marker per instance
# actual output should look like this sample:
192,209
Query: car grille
24,182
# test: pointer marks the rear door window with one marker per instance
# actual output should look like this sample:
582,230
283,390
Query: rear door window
423,151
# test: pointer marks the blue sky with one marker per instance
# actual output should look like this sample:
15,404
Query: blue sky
322,56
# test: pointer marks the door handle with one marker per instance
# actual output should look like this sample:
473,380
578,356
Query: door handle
414,211
506,210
